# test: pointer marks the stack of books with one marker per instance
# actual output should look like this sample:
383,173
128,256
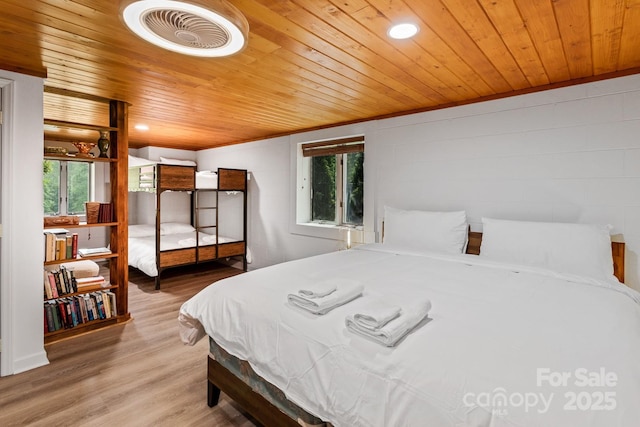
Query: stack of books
69,312
62,282
87,284
85,252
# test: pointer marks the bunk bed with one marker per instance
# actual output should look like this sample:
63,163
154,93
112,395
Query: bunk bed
155,248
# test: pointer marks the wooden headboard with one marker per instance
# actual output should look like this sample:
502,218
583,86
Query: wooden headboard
617,250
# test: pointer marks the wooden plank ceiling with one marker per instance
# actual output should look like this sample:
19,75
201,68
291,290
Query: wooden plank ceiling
314,63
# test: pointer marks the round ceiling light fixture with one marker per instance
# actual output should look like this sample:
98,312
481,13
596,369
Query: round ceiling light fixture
403,31
217,30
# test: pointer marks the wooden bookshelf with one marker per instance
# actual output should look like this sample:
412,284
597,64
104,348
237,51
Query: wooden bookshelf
117,233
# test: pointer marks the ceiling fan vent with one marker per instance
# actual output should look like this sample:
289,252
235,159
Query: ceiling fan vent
186,29
213,28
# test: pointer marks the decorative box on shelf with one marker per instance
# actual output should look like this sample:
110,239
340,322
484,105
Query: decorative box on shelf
55,151
99,212
52,221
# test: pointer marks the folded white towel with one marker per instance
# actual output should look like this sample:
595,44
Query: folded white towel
375,313
346,290
318,289
389,335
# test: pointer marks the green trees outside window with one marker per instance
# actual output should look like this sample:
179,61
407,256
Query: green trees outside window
323,197
66,187
51,183
336,178
354,189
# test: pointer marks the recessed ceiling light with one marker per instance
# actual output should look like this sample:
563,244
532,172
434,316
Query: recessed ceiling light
213,30
403,31
141,127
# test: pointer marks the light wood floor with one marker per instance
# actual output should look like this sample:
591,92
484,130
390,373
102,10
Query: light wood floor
137,374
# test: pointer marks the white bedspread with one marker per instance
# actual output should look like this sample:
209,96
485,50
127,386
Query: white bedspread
142,250
493,331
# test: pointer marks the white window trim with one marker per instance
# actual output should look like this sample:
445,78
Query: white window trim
300,222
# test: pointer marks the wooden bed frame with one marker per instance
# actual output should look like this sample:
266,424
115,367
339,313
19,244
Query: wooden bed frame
219,378
159,178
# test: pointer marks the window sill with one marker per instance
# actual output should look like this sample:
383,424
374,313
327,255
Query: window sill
329,231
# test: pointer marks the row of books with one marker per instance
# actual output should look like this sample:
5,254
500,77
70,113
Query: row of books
69,312
59,245
58,283
105,213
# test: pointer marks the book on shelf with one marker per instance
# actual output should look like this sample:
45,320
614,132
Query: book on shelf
68,246
74,245
48,318
112,303
91,308
56,277
105,212
97,296
49,246
83,308
64,280
48,293
107,305
61,248
84,252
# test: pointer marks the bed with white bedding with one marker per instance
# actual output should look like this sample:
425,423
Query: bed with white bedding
504,344
142,250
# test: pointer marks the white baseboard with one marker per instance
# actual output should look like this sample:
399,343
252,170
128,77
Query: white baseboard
30,362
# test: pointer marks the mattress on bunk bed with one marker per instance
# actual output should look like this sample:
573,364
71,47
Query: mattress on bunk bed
142,250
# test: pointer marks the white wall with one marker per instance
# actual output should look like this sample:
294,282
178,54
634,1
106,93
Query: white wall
268,237
567,155
22,240
570,155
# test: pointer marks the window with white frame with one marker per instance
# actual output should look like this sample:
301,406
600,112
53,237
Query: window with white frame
67,186
334,175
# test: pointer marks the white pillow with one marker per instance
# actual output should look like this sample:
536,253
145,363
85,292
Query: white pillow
139,161
175,228
142,230
582,249
177,162
426,231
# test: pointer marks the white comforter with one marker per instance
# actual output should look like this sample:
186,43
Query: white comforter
504,346
142,250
